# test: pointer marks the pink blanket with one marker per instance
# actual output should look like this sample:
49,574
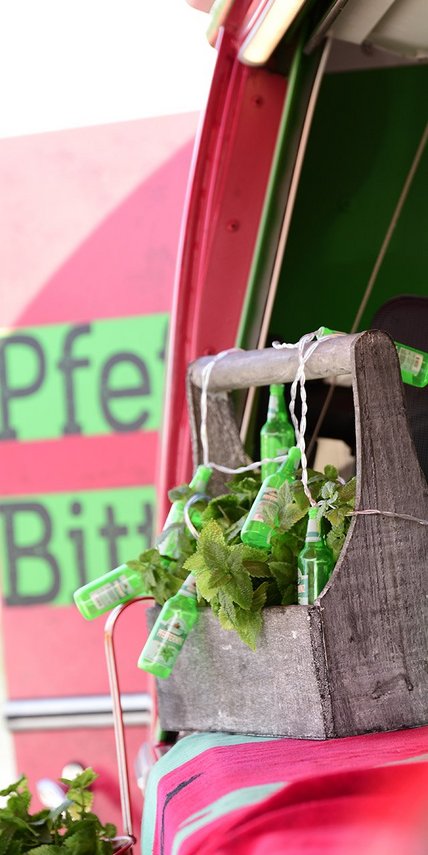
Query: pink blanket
223,794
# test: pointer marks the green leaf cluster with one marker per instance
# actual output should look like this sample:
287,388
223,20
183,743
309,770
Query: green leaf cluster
224,575
238,581
163,576
336,501
70,828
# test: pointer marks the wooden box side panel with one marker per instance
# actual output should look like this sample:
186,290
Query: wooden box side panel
218,684
375,610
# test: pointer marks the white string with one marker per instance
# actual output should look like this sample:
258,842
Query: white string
299,428
306,346
206,374
389,514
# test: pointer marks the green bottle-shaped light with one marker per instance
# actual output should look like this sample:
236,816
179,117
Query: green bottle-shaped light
413,365
176,620
116,587
123,583
314,563
169,546
413,362
257,532
277,434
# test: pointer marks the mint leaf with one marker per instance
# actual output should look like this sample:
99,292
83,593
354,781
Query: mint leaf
234,530
300,497
203,582
227,607
270,513
47,832
109,830
21,785
291,515
45,849
335,540
330,472
215,553
347,491
239,588
245,486
248,625
285,573
258,569
259,597
289,595
281,550
225,622
336,517
85,779
329,491
212,536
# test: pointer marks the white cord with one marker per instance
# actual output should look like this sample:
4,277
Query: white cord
306,346
206,374
389,514
299,428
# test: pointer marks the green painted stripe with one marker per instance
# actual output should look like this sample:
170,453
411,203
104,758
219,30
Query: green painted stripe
52,544
186,749
103,377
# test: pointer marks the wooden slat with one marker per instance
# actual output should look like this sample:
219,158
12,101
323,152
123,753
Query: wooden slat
375,610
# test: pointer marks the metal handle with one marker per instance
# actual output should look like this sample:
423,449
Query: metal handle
121,753
242,369
198,497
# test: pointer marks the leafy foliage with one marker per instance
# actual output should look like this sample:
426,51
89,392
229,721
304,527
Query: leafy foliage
70,827
336,502
162,578
226,581
238,581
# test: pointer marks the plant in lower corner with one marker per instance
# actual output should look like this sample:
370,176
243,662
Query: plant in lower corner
71,827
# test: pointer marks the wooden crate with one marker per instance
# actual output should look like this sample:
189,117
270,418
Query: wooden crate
355,661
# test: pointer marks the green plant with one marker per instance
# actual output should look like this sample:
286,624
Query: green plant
71,827
238,581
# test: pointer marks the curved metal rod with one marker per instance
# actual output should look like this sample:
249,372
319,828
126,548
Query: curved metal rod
122,759
197,497
126,844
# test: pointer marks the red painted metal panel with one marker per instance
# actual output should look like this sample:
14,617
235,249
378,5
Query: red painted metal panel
50,653
78,463
231,169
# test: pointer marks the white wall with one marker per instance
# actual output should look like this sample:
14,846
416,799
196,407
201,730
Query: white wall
74,63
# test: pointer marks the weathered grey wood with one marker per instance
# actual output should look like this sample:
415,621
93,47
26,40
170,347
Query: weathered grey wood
244,368
355,661
375,610
219,684
223,437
